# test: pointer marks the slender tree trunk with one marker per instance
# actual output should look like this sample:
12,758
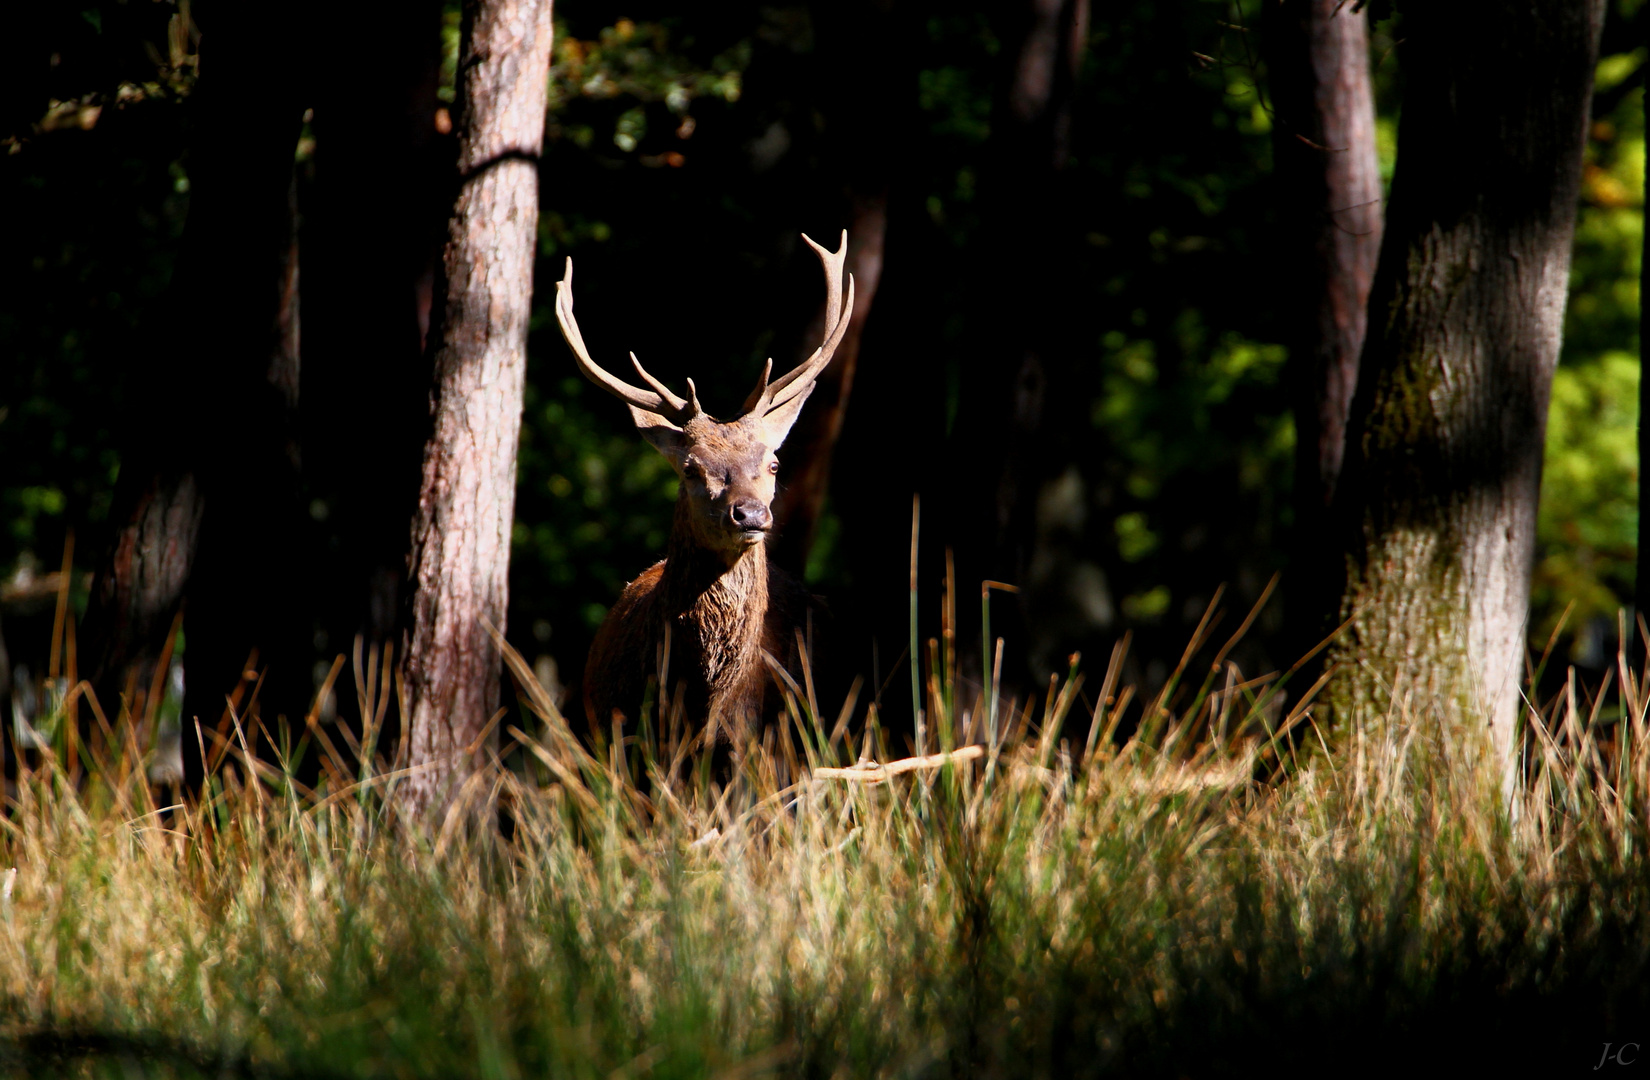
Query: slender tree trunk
460,557
1329,198
1437,502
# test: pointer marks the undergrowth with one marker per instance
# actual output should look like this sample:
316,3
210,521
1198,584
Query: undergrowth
1226,890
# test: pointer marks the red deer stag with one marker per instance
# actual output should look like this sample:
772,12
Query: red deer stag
714,598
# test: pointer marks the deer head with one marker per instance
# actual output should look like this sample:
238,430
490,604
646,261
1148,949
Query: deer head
727,467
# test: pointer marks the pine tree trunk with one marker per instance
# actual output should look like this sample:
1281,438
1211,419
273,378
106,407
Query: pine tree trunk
1329,201
1437,501
460,556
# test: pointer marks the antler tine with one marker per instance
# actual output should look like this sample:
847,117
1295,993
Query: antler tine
797,380
833,263
838,314
634,396
660,388
761,390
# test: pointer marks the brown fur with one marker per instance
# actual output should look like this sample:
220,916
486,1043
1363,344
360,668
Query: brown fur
721,599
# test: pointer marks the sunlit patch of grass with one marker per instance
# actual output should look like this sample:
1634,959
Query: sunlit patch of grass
1227,890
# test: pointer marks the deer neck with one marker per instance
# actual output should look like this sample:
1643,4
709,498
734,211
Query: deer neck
717,608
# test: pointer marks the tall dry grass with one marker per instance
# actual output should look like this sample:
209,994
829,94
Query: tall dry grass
1226,891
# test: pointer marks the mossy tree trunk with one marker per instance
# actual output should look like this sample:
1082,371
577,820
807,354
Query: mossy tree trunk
1436,507
460,558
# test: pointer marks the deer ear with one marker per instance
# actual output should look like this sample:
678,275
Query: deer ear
777,424
665,437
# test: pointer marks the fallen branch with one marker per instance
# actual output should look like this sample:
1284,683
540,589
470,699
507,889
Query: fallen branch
869,772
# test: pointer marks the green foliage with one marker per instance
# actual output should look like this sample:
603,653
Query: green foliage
1587,531
637,61
1589,519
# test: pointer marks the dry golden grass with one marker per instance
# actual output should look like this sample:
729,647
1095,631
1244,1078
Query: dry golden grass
1202,898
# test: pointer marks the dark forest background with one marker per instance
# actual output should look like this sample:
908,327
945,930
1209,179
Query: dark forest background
685,154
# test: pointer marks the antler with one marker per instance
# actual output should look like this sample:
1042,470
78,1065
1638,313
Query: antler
838,314
659,401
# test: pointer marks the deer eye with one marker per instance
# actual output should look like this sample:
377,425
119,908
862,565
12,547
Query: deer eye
692,469
773,467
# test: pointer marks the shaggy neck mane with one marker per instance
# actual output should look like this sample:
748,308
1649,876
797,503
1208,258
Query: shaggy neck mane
717,608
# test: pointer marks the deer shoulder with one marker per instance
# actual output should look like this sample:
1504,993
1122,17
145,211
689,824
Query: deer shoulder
617,668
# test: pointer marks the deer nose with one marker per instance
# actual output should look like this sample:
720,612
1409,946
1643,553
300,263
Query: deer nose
749,514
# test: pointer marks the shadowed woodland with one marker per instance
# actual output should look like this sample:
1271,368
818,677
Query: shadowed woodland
1231,441
1085,315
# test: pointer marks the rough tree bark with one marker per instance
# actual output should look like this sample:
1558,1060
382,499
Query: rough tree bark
460,558
140,581
1437,500
1329,200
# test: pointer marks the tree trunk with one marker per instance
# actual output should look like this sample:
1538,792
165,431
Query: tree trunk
207,494
460,556
1437,501
139,587
1329,191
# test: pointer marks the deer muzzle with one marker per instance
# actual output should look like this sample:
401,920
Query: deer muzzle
751,517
